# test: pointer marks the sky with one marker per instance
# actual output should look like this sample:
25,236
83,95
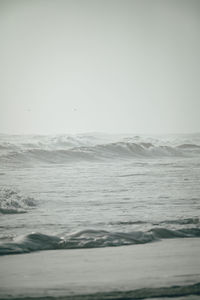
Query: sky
115,66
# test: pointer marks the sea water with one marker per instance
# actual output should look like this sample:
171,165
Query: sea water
97,190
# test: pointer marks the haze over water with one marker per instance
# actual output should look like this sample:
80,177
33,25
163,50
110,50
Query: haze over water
112,66
99,147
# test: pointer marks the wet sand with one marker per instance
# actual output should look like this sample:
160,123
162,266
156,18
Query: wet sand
77,272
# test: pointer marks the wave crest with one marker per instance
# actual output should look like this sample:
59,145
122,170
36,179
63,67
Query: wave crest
116,150
92,239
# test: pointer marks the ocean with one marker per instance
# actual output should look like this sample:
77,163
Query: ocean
97,190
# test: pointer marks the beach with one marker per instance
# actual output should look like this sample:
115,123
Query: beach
99,150
113,270
99,217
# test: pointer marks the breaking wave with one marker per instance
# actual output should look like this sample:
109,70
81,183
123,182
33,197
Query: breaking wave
68,148
92,239
12,202
98,152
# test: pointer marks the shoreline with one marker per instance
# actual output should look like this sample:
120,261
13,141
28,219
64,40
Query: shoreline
69,273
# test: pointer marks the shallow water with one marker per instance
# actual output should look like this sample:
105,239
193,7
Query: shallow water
97,190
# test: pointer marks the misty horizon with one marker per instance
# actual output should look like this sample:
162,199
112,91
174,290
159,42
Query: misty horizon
102,133
99,149
99,66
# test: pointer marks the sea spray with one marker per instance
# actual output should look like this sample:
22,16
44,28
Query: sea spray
13,202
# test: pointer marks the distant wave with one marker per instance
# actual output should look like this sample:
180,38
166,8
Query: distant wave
92,239
183,221
30,150
57,142
12,202
188,146
129,222
98,152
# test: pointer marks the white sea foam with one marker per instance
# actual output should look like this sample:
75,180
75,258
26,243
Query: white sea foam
119,150
63,149
123,190
12,202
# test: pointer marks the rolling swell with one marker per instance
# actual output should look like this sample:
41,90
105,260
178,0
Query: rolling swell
90,153
92,239
181,221
188,146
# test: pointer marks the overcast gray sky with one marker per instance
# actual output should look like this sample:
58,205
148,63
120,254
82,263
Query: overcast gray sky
71,66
